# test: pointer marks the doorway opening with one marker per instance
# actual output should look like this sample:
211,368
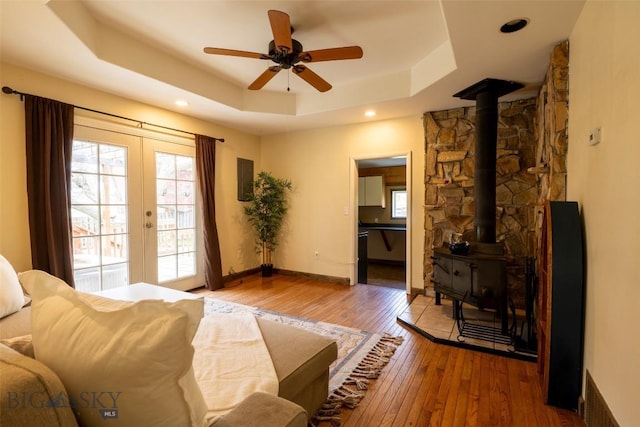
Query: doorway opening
383,210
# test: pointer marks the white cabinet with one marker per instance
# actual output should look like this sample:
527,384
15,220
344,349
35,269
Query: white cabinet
371,191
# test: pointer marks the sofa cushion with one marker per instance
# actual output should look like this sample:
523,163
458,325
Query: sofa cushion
16,324
299,357
134,358
31,393
263,409
11,295
22,344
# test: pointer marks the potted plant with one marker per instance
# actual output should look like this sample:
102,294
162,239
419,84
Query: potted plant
266,209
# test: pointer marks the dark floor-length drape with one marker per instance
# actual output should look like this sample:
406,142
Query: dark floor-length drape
49,139
206,165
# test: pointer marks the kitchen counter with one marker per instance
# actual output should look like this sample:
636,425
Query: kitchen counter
383,228
376,226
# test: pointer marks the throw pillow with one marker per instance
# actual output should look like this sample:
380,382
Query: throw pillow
11,295
130,361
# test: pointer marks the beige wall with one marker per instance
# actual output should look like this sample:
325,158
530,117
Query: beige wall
321,165
604,76
235,238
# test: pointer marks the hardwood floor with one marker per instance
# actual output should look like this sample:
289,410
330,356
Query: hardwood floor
424,384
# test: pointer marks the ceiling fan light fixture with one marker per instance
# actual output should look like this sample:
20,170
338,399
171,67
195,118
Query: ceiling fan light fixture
514,25
287,52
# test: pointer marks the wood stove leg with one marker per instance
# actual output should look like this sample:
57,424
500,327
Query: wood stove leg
456,309
438,302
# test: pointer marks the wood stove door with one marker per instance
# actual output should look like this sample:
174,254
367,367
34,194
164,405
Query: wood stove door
490,282
442,274
461,279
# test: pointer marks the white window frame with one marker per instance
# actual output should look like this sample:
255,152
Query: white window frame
393,203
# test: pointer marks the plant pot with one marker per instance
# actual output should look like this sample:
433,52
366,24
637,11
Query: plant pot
267,270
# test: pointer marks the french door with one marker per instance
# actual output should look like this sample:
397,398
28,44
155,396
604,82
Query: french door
172,236
134,210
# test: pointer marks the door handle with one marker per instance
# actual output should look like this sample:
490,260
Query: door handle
148,224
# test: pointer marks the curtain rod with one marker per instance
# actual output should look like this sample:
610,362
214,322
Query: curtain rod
9,91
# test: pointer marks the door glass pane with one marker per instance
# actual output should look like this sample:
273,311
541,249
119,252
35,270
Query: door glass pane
113,190
99,216
185,192
84,188
186,264
114,249
166,191
166,242
165,166
167,268
175,207
186,241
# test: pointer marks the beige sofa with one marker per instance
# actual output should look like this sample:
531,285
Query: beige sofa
300,358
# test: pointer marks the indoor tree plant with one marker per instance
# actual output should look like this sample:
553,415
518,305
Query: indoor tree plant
266,209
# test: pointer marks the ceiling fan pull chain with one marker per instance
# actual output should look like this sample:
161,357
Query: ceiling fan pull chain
288,79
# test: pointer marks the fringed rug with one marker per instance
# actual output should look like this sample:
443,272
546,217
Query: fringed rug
361,355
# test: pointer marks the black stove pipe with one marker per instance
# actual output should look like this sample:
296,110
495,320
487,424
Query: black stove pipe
484,189
486,93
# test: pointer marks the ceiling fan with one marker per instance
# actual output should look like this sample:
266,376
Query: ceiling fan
288,53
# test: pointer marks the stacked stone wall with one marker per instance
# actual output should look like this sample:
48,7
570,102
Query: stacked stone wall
553,135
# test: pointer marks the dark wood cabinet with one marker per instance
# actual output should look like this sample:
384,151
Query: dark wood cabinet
363,257
560,314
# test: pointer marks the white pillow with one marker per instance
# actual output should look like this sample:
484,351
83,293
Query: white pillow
11,295
132,357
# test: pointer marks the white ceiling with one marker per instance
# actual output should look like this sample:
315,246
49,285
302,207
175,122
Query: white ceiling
417,54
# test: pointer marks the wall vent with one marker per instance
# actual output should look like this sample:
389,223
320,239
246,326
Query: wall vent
597,413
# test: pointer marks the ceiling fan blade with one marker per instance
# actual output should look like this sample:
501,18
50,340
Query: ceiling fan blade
231,52
264,78
312,78
337,53
281,29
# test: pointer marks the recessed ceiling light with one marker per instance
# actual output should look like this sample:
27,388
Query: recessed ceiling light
370,113
182,103
514,25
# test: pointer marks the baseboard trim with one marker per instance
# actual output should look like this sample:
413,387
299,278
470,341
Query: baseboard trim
319,277
239,275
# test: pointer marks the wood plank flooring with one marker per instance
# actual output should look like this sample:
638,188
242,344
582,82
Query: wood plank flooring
424,384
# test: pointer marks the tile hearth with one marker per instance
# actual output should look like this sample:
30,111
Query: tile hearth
436,323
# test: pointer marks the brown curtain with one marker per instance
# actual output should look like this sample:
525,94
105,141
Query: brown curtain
49,138
206,165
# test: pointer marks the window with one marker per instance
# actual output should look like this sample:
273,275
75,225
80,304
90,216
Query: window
399,203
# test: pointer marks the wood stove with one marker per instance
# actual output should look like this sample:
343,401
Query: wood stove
476,279
479,277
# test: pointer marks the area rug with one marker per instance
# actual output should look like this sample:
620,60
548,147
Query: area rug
361,355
